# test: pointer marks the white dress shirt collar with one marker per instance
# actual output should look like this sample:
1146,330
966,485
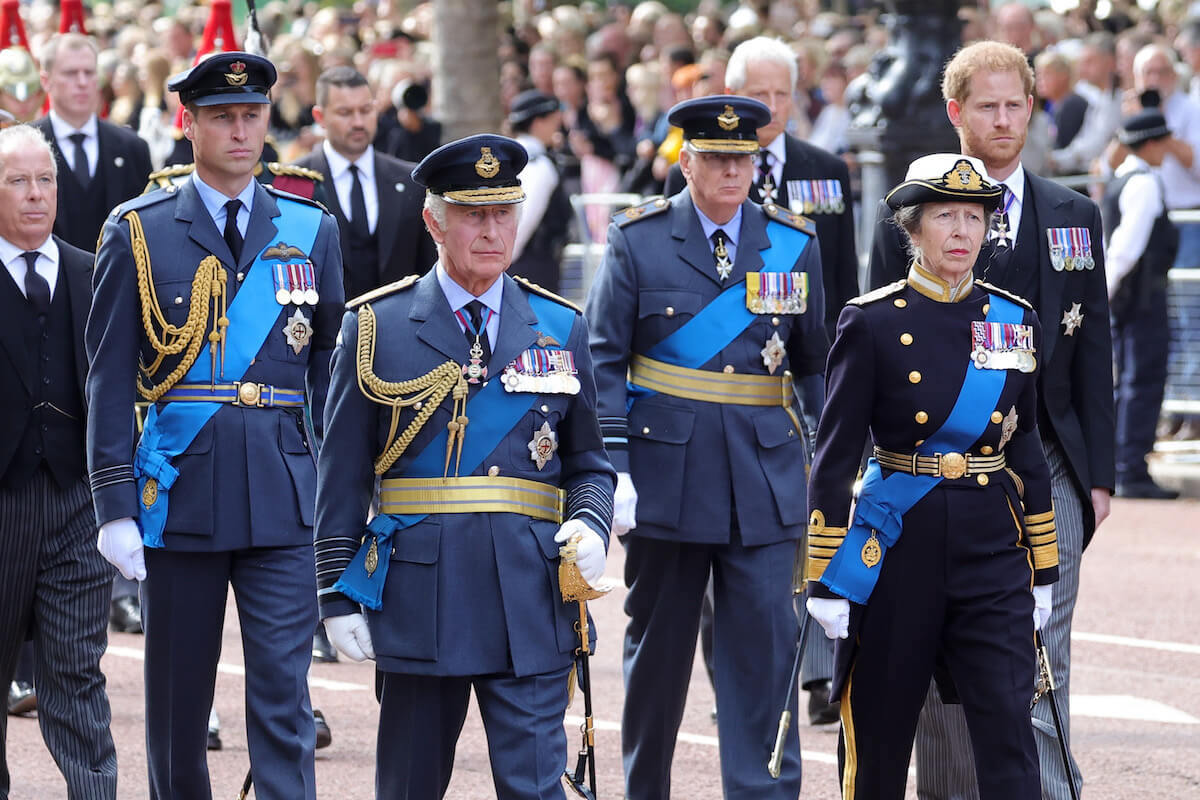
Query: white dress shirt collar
63,129
47,263
339,164
214,201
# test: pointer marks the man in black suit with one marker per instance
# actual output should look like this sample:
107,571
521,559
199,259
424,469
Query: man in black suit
53,582
372,195
99,164
1046,246
809,181
805,179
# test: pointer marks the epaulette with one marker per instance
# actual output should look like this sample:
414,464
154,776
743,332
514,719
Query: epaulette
797,221
286,195
156,195
1016,298
299,172
383,291
161,179
648,208
878,294
533,287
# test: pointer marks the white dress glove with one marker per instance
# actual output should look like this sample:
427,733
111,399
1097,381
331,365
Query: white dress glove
120,542
590,556
1043,597
624,505
350,634
832,613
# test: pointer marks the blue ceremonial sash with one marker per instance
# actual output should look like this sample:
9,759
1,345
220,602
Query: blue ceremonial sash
493,413
724,319
252,315
882,502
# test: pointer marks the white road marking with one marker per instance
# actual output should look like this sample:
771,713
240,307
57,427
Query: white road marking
1129,641
1123,706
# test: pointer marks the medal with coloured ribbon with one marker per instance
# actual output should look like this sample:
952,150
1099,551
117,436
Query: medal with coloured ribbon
542,371
1002,345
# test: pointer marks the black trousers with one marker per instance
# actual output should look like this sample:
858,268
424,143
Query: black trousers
55,585
1141,341
954,595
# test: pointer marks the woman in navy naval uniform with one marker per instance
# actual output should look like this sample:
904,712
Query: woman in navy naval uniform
953,524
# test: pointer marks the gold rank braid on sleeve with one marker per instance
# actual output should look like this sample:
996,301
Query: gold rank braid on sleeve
208,291
425,393
1043,539
823,543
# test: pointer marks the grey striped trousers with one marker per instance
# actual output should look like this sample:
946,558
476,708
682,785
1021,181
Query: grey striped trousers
945,764
55,583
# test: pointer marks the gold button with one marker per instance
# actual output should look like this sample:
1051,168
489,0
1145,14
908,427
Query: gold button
986,450
986,306
914,377
670,311
899,302
982,479
417,406
728,369
906,339
493,471
645,431
791,433
918,442
775,321
996,417
178,300
545,409
922,417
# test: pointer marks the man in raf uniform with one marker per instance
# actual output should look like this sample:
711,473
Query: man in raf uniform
467,397
228,335
1046,245
713,306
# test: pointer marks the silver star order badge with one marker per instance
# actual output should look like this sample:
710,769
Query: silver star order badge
767,191
298,331
773,353
542,445
724,262
1072,319
1008,426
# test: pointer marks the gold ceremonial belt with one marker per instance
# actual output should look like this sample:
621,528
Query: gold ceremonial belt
482,493
711,387
943,465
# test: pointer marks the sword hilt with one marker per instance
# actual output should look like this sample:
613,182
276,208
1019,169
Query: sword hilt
775,765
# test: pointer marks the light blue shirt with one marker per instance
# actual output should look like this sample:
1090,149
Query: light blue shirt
732,229
215,202
458,297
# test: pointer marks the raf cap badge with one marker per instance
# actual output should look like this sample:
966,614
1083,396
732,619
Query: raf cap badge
542,445
1072,319
488,166
237,74
727,119
298,331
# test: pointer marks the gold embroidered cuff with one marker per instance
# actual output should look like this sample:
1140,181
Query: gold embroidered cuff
823,543
1043,539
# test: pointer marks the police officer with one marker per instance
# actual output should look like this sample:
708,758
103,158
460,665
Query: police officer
713,306
222,299
542,233
953,521
1140,244
468,397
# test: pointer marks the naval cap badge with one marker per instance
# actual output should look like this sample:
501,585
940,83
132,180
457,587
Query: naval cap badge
963,176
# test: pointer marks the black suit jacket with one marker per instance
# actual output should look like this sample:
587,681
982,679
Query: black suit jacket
1068,119
18,369
835,232
1075,385
404,245
126,162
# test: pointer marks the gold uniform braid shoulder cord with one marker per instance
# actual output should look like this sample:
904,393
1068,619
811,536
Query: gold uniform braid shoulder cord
208,285
424,393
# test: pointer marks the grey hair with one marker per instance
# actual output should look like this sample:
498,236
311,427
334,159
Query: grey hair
20,137
68,41
760,49
436,206
908,220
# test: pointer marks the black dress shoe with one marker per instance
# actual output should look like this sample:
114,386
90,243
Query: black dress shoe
22,699
125,615
323,650
820,710
324,735
214,739
1145,490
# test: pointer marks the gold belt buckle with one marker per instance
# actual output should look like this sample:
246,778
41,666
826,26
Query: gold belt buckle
953,465
249,393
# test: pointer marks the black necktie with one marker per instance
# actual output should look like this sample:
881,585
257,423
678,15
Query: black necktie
475,310
37,289
82,173
764,186
358,206
233,236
